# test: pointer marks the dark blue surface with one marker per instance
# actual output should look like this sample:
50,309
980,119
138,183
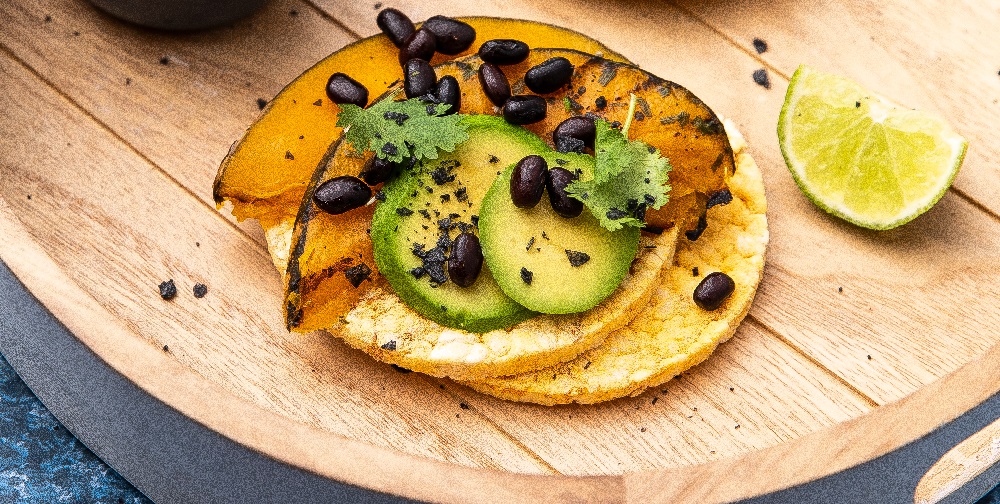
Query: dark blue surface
40,461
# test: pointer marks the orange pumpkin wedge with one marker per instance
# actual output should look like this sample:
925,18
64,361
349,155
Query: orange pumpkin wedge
266,173
669,118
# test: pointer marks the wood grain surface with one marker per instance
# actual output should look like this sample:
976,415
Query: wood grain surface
111,136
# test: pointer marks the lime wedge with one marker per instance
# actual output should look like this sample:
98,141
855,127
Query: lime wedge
860,157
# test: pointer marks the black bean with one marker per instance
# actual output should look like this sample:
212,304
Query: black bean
448,92
713,290
528,181
466,260
377,170
503,51
580,127
421,44
418,78
524,109
549,75
453,36
343,89
395,25
340,194
562,203
494,83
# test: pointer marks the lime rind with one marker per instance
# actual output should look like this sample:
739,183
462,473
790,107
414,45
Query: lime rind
861,158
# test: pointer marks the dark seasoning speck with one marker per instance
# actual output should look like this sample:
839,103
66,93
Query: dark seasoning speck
761,78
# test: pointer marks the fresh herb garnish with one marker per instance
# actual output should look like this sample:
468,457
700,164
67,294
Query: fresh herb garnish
629,177
397,130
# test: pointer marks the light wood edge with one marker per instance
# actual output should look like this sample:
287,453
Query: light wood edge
960,465
797,461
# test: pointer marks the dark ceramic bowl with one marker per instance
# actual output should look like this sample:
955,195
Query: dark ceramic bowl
179,14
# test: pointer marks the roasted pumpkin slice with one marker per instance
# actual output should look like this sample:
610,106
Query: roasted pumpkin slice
266,173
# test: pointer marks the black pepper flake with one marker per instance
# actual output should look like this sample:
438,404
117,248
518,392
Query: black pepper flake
418,271
380,195
462,194
445,198
694,271
566,144
166,348
639,116
545,235
404,212
318,103
399,369
425,213
494,159
526,275
165,60
616,124
857,104
128,81
463,405
293,13
732,389
48,19
397,117
761,78
475,220
530,243
840,289
289,156
587,365
643,429
261,103
723,197
869,357
759,45
357,274
577,259
390,149
654,401
601,103
168,290
200,290
378,5
76,34
390,345
615,214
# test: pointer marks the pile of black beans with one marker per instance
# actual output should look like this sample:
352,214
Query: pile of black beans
532,175
448,36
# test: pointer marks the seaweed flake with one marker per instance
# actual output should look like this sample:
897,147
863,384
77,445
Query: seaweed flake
577,259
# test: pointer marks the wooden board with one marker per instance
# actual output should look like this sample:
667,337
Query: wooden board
112,135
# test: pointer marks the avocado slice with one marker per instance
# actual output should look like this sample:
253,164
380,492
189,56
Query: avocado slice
424,210
549,263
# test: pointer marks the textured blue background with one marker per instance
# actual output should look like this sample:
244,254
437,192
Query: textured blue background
41,462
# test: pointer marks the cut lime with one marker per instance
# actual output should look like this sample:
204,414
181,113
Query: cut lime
861,158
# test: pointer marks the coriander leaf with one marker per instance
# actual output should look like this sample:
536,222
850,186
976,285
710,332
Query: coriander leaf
396,130
629,177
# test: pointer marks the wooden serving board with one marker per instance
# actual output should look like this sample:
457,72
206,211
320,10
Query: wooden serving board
858,341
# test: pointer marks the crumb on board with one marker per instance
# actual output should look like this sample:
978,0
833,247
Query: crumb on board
168,290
